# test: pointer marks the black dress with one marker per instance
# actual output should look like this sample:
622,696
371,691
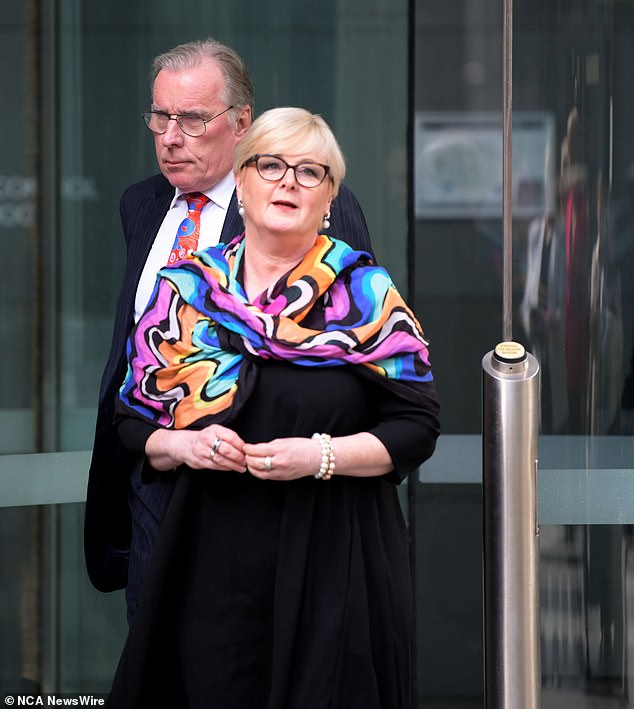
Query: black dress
284,595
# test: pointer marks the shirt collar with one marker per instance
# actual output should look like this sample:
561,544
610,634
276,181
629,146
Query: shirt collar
219,194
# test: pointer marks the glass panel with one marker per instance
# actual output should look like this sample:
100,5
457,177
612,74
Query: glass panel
19,321
457,277
574,294
573,301
20,330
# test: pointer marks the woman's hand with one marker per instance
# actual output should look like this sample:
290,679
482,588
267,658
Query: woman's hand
283,458
214,447
359,455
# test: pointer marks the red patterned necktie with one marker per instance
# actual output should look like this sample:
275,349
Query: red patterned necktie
188,232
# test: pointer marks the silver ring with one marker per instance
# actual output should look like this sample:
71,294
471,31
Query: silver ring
267,463
215,447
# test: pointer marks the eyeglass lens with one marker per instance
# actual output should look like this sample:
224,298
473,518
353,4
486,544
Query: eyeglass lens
158,122
308,174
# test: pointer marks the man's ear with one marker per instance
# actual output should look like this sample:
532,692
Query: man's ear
244,121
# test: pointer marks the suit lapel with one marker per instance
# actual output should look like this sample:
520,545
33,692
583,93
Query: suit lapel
153,203
233,224
152,211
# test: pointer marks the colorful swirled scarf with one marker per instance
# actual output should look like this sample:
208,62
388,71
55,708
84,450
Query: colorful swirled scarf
187,352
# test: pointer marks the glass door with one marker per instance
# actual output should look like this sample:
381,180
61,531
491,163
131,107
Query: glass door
573,308
575,303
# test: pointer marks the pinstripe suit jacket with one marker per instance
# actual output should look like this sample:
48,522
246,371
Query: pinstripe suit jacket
107,526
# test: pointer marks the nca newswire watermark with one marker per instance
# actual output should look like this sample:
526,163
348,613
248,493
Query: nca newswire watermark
55,700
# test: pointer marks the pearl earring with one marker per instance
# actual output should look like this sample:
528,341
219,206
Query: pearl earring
326,221
240,208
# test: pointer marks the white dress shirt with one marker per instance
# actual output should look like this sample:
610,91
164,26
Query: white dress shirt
212,218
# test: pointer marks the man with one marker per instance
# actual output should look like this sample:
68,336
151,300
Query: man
202,104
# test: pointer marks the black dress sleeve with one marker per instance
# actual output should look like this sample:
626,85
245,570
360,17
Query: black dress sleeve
133,434
407,424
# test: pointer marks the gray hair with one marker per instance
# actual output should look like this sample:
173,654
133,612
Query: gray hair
238,88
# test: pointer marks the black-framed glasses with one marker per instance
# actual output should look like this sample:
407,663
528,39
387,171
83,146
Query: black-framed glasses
273,168
190,124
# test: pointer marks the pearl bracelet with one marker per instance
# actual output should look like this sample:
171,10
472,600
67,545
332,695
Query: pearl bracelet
327,466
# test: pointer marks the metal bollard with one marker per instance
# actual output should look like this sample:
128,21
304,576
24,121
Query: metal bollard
511,549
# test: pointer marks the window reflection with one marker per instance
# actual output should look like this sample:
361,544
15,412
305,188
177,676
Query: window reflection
573,275
573,296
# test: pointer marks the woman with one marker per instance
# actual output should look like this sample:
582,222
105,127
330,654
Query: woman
286,387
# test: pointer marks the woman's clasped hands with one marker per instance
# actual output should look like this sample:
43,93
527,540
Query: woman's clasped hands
220,448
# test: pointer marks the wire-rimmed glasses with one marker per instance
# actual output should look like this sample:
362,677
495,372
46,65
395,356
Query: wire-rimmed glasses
189,123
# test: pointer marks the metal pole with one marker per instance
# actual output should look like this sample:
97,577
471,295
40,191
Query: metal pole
507,172
511,551
509,447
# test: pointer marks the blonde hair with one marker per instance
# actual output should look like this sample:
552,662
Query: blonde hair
292,130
